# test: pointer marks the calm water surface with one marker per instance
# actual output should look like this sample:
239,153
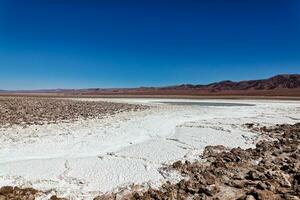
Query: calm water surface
206,104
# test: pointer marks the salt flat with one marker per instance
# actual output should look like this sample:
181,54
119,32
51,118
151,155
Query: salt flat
82,159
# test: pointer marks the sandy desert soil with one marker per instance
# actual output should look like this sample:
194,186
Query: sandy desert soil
90,157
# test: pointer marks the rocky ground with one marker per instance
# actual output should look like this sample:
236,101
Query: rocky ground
15,193
34,110
269,171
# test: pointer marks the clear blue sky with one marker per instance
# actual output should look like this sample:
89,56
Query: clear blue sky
120,43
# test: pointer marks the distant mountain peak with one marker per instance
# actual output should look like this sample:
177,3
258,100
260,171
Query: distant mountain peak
282,84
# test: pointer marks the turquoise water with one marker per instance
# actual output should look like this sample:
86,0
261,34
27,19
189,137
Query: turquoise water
206,104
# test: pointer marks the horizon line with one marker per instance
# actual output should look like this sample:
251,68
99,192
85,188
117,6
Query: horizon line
138,87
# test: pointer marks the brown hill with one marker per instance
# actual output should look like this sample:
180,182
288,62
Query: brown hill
280,85
288,81
276,82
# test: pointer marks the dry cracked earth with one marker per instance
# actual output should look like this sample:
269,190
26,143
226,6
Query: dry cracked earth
269,171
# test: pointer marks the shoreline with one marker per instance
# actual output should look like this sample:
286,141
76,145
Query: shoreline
183,132
129,96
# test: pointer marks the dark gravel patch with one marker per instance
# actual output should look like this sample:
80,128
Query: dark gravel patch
34,110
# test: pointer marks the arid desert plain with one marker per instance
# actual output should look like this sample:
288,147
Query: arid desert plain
83,148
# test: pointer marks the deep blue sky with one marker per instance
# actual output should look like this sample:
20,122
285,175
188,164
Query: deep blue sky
107,43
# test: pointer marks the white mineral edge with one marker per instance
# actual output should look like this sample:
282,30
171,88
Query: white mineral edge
82,159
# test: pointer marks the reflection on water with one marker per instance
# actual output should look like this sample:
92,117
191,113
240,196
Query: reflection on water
205,103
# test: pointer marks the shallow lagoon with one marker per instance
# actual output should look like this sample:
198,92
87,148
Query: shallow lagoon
206,104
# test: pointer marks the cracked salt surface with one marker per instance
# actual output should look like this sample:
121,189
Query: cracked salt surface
82,159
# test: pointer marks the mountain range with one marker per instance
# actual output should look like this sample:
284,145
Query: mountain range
280,85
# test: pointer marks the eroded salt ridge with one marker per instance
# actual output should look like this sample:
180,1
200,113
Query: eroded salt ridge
83,159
